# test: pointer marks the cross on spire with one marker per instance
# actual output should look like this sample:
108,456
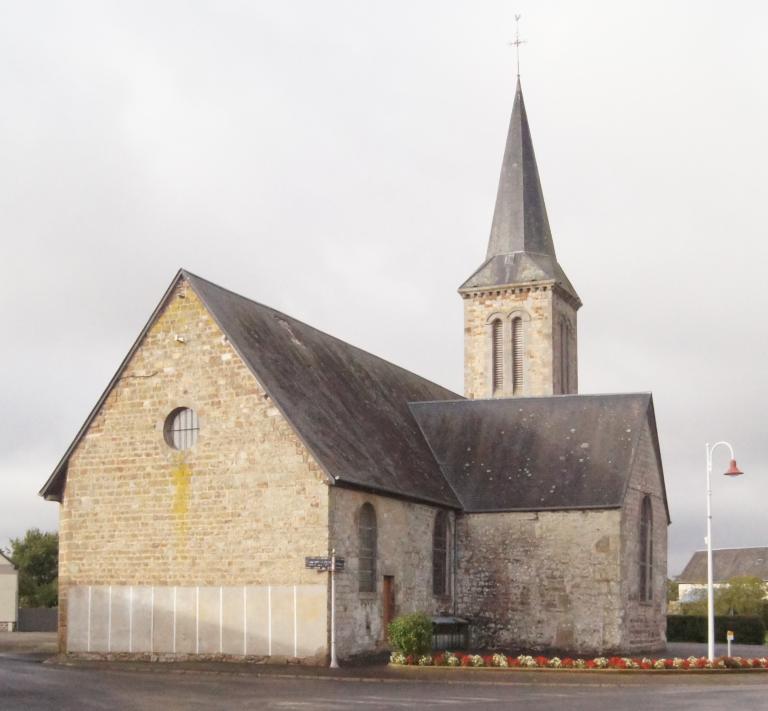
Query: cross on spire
517,42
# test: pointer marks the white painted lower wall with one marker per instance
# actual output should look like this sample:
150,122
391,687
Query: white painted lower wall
9,596
251,620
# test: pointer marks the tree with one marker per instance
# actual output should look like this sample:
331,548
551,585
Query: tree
673,590
37,558
741,595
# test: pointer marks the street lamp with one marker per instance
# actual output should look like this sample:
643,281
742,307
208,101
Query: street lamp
733,470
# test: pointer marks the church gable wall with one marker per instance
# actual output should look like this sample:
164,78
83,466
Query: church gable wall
404,551
645,622
240,508
541,581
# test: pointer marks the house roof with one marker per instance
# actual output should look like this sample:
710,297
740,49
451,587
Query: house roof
349,407
534,454
727,563
4,557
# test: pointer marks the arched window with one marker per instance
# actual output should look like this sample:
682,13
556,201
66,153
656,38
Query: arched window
517,355
646,550
565,384
440,554
497,355
366,532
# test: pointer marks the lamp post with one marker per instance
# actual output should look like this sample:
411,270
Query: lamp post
733,470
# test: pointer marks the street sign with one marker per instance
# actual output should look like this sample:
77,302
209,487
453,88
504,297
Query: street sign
729,635
324,563
318,563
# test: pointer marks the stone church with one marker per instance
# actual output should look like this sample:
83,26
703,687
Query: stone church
234,442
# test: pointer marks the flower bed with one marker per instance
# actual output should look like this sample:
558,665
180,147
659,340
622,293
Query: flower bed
524,661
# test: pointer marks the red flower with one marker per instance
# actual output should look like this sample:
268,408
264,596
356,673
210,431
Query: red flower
541,661
488,660
513,661
439,660
617,663
745,663
645,665
686,664
591,664
466,661
668,664
701,663
568,663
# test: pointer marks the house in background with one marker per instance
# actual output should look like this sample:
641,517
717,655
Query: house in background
727,563
9,594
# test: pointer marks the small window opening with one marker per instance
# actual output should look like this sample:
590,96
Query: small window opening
497,346
367,535
440,554
646,550
517,355
181,428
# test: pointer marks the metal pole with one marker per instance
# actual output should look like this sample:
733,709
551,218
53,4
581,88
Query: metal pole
710,585
710,594
334,662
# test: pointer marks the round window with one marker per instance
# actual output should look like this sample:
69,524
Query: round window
181,428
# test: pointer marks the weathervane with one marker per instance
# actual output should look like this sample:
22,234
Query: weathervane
516,44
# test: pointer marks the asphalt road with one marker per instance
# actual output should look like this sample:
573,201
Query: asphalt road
26,683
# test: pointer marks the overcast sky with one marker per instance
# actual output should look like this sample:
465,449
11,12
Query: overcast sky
339,160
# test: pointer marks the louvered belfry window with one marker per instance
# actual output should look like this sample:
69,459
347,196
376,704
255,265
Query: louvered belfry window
646,550
497,356
367,549
181,428
517,355
565,385
440,554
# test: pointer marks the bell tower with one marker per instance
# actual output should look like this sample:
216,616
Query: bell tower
519,306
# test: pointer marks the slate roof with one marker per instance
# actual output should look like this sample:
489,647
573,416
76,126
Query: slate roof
517,268
726,564
520,247
6,562
349,407
535,454
373,425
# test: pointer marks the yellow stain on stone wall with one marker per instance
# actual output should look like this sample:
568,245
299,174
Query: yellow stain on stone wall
181,475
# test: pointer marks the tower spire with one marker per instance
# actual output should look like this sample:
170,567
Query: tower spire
520,246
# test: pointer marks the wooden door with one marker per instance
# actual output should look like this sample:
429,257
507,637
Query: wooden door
388,592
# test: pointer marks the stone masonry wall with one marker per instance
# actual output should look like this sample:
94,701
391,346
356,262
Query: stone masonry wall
242,507
404,551
645,622
538,581
539,303
564,310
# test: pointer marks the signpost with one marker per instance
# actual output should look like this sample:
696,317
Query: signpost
329,564
729,638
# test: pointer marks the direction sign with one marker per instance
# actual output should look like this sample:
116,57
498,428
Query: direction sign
324,563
